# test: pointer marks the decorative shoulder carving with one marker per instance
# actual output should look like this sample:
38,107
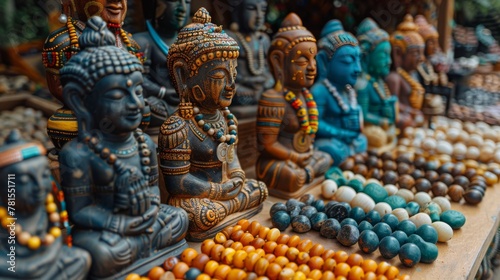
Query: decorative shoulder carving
173,132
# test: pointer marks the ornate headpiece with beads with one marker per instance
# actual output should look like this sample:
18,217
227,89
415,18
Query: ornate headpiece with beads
16,150
370,35
333,37
406,36
425,29
200,42
99,57
290,34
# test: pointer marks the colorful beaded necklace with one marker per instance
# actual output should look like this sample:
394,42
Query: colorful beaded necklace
351,92
216,131
308,119
33,242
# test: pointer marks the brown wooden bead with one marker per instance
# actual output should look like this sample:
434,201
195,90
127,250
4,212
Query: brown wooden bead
374,173
246,239
423,185
456,192
222,271
244,224
188,255
404,168
237,246
281,250
216,252
473,196
292,253
355,259
200,261
305,245
360,169
329,264
249,248
228,231
439,189
316,262
206,246
387,156
273,271
250,261
237,234
328,254
261,266
155,273
180,270
317,250
258,242
283,239
239,258
302,258
470,172
406,182
359,159
294,241
462,181
228,243
390,177
446,178
169,263
348,164
254,228
270,246
389,165
458,169
372,162
431,175
419,162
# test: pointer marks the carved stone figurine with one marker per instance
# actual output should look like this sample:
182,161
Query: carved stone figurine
109,174
62,44
165,18
31,244
407,54
197,144
253,72
287,117
340,116
380,107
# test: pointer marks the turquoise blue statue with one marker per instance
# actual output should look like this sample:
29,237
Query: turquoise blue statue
378,104
109,174
340,116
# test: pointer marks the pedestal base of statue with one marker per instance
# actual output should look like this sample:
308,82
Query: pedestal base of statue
244,111
53,157
305,189
230,220
143,266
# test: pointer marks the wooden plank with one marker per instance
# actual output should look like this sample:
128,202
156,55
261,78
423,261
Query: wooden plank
459,258
445,19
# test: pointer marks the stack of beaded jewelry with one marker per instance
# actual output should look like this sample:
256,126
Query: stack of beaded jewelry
220,134
63,213
308,119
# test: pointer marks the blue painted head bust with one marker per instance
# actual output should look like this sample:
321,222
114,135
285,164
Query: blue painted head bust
109,174
341,120
374,97
31,245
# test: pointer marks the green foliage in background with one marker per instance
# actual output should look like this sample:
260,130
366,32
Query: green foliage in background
23,21
470,9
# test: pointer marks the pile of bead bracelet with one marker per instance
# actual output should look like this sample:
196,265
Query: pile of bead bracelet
378,228
251,251
420,174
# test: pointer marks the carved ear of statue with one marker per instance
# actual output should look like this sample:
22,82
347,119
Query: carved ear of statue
198,94
397,57
180,77
322,61
73,96
277,59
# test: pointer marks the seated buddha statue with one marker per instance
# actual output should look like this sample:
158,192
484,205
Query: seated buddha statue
109,173
164,19
340,116
62,44
407,54
253,72
287,116
31,245
380,107
197,144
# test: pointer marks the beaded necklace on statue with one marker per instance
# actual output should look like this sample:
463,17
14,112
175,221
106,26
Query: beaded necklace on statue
417,91
218,131
120,33
248,50
382,93
350,91
308,119
33,242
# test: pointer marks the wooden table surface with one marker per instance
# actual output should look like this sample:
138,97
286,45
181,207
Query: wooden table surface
459,258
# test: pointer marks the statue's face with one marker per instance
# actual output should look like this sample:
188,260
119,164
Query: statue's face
300,66
344,67
379,61
173,14
214,86
111,11
253,15
413,57
116,104
33,183
431,46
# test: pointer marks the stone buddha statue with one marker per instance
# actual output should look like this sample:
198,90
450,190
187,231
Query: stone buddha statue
340,116
380,107
287,116
109,173
197,144
407,54
62,44
253,72
31,245
164,19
